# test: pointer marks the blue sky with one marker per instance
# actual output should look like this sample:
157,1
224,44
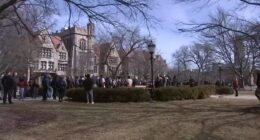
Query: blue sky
166,37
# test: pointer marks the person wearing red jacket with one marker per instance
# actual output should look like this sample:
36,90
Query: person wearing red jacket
22,86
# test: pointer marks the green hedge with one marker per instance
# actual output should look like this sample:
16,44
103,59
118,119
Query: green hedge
182,93
111,95
141,95
224,90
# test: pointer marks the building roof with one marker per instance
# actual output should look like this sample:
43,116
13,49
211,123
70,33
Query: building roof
56,40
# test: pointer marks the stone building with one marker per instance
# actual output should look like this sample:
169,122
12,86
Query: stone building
51,55
79,43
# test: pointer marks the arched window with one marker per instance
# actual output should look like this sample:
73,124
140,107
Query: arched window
82,44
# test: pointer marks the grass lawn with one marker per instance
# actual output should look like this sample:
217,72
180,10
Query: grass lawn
202,119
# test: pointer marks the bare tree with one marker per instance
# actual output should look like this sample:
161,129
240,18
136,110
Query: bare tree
206,2
28,15
202,56
112,12
234,43
182,62
126,42
16,51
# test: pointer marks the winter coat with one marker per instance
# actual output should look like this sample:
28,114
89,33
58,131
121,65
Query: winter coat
88,84
22,84
62,85
8,83
45,82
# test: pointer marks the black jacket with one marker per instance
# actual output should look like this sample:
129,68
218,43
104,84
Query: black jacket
88,84
8,83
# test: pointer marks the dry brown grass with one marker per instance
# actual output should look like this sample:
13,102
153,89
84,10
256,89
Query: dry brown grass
202,119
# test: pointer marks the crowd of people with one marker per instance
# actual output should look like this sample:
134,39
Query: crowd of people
54,86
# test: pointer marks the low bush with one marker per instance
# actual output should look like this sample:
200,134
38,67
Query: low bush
111,94
205,91
182,93
224,90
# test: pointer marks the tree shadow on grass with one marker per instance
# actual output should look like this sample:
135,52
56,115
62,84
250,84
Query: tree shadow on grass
18,119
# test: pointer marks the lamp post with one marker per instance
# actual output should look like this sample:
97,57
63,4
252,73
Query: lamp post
151,49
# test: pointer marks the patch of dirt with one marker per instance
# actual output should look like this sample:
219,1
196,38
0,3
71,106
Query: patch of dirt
12,120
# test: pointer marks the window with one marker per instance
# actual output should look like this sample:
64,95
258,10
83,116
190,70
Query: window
82,44
113,68
44,39
113,60
62,55
51,65
62,67
113,51
36,65
43,65
46,52
95,60
95,69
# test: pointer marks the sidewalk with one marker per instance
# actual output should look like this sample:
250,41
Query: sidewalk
244,97
30,99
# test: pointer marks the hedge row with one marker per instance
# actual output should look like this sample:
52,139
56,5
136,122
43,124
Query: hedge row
183,93
141,95
224,90
111,94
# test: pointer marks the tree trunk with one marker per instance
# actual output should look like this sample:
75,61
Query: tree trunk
242,82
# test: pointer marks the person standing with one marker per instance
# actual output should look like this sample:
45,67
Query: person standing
88,86
191,82
236,86
16,80
34,89
129,82
135,81
22,86
1,88
54,85
102,81
8,85
45,86
62,85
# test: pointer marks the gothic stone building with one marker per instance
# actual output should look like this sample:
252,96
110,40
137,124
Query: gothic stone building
79,44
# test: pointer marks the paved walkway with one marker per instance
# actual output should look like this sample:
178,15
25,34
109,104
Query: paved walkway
30,99
245,97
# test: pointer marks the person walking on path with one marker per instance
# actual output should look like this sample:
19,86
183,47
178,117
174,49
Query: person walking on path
88,86
236,86
8,85
61,86
45,86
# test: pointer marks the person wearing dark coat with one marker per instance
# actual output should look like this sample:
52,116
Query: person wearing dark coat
34,89
54,85
8,85
88,86
61,85
45,86
16,80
